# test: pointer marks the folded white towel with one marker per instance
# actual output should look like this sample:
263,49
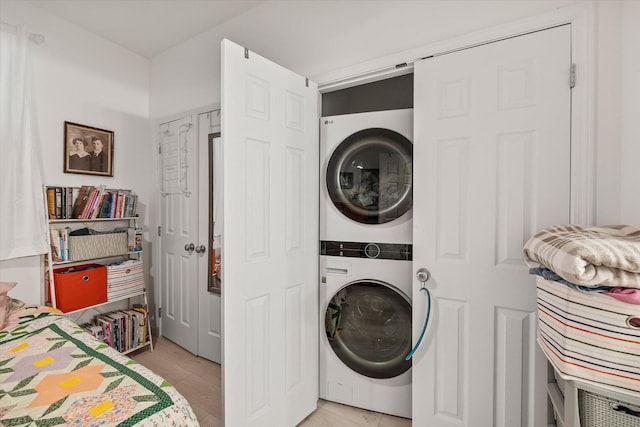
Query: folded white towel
589,256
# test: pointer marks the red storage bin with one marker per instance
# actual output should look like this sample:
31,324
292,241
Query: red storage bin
80,286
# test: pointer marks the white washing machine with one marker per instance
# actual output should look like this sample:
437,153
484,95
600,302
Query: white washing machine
366,177
365,322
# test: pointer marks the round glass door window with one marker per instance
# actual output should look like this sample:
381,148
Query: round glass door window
370,175
368,325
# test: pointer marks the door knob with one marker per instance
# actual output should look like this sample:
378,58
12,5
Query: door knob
201,249
189,247
423,275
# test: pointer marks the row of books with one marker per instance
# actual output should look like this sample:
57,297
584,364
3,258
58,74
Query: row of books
98,202
60,244
60,201
90,202
123,329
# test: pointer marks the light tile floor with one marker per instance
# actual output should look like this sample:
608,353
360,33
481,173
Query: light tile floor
197,379
199,382
330,414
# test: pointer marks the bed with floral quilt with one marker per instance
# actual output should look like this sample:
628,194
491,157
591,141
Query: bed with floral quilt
54,373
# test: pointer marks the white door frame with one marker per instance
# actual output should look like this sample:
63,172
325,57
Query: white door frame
582,19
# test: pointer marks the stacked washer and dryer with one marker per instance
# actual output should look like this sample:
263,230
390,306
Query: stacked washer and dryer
366,253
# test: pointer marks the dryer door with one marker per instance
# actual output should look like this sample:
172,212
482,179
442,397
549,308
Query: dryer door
369,176
368,325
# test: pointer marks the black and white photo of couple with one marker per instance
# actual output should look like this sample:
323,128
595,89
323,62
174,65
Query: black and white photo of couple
88,150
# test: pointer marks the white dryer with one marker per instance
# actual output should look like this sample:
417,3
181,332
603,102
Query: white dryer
365,322
366,177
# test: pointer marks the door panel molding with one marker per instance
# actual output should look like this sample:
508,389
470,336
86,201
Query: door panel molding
485,304
177,149
269,274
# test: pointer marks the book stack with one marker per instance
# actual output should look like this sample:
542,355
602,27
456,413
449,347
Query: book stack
93,329
90,202
60,202
99,202
60,244
123,330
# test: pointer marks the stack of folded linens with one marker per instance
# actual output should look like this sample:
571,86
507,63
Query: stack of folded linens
588,290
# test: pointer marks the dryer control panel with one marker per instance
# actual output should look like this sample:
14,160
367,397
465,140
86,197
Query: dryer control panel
395,251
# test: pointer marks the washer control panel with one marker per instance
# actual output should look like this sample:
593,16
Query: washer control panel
395,251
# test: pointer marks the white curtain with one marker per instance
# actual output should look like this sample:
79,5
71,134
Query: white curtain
23,229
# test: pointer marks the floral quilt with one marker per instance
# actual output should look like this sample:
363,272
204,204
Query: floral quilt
53,373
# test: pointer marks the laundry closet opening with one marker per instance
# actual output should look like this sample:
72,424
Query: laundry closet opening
366,186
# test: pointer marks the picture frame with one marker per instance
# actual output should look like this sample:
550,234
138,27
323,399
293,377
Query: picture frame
88,150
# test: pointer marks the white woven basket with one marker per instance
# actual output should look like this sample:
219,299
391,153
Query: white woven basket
97,246
600,411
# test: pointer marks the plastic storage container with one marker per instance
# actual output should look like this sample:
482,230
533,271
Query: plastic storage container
80,286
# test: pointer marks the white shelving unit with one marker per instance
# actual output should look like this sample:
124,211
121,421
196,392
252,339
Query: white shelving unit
101,225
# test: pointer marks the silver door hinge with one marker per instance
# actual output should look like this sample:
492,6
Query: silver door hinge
159,230
159,149
306,81
246,53
159,312
572,76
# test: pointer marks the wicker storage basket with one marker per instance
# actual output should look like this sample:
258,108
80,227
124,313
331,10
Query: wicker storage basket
97,246
600,411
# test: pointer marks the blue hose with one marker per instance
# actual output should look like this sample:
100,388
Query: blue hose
424,328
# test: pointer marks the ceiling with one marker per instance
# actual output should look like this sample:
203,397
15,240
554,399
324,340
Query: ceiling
146,27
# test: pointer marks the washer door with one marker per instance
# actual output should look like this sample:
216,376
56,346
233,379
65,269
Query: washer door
369,176
368,325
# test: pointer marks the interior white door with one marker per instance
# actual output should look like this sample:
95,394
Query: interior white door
209,303
269,241
178,178
191,316
491,168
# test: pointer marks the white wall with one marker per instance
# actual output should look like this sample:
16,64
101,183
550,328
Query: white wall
608,108
630,123
82,78
316,38
618,109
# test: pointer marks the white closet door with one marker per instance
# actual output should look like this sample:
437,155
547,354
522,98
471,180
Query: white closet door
191,316
209,304
269,242
179,230
491,168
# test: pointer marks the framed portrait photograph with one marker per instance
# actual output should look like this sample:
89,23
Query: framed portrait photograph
87,150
